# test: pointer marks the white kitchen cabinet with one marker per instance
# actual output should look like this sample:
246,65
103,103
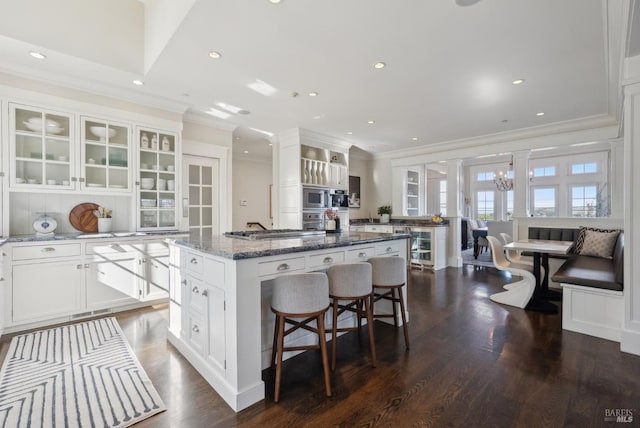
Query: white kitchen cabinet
156,182
105,155
111,283
429,247
52,289
412,193
42,148
45,154
357,228
378,228
338,176
203,309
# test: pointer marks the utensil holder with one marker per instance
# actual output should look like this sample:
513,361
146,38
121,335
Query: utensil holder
104,224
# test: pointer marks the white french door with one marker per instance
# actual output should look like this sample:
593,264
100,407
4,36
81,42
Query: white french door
200,195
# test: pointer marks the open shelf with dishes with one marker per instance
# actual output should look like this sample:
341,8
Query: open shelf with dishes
157,190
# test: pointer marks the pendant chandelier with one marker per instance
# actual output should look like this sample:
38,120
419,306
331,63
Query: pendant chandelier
504,180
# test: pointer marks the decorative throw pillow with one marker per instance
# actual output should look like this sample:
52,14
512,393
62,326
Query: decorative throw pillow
598,242
581,234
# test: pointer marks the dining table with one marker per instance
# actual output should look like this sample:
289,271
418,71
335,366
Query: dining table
541,249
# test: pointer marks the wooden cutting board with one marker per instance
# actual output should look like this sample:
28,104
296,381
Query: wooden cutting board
81,217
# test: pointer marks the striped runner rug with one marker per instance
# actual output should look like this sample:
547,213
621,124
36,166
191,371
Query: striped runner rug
78,375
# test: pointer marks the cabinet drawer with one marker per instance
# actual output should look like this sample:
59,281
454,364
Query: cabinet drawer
214,273
194,263
389,248
326,259
45,251
361,255
281,266
196,300
107,248
379,229
153,246
195,333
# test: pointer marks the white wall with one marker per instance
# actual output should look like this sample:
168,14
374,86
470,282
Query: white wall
251,182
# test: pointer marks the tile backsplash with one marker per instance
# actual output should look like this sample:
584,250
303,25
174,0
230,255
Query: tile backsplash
25,207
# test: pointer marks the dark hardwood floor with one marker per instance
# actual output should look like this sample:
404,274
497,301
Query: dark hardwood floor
472,363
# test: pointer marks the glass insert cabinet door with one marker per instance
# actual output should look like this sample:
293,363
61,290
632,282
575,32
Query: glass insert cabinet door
41,148
105,155
157,184
422,246
412,193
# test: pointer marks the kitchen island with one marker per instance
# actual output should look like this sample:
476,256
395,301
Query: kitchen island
220,293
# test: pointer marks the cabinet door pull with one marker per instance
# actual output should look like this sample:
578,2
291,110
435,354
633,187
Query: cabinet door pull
283,266
389,249
78,266
327,260
87,266
194,261
48,249
195,329
183,282
205,293
195,290
362,254
100,272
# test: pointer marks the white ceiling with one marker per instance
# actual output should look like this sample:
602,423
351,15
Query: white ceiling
448,75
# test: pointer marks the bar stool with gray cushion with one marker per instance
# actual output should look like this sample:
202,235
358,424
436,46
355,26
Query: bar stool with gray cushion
351,282
306,296
389,277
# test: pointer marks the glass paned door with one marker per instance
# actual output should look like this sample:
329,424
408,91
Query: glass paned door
201,206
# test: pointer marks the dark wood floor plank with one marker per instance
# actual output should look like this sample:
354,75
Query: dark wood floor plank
472,363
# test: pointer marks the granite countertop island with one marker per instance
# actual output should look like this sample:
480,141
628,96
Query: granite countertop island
221,288
238,249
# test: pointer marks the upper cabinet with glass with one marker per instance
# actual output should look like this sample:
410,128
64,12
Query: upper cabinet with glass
105,155
42,147
157,179
412,193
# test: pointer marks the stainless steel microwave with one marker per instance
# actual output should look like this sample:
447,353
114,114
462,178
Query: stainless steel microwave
338,199
313,197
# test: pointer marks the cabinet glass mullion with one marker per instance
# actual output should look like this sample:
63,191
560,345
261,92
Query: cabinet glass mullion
106,155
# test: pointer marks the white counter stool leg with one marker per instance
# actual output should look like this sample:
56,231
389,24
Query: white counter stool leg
351,282
305,296
389,278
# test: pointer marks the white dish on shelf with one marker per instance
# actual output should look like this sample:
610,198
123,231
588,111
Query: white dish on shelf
118,186
35,124
147,203
95,185
101,132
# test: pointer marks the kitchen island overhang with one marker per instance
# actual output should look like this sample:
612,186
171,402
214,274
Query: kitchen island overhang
220,298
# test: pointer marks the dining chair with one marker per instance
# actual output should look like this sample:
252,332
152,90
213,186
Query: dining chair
518,293
514,256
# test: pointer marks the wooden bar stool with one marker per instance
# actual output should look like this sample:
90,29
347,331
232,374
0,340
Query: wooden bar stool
389,278
351,282
304,295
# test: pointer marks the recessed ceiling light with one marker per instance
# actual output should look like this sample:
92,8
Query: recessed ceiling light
37,55
275,1
370,122
138,82
215,55
540,113
379,65
349,133
518,81
313,94
246,152
415,138
270,144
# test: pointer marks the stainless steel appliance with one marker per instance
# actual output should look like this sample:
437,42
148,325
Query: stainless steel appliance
314,197
338,199
312,220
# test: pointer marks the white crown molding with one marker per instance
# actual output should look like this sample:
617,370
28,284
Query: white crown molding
309,137
92,87
574,131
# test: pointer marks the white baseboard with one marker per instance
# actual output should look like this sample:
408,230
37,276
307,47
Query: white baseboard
630,342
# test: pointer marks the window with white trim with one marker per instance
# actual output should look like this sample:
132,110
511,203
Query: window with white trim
485,205
570,185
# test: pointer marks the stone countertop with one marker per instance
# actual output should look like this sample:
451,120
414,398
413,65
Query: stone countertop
239,249
85,236
400,223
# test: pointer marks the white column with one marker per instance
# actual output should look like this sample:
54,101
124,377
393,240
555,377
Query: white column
521,184
454,211
630,340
